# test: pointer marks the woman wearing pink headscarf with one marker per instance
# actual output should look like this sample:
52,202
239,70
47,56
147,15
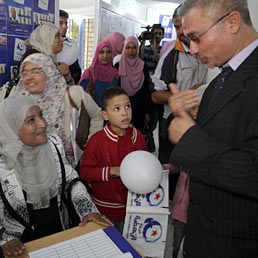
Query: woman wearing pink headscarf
116,40
134,78
100,75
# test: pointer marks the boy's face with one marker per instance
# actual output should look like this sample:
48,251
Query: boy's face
119,113
63,25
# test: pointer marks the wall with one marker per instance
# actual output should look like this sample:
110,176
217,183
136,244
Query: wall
253,7
110,19
167,10
130,6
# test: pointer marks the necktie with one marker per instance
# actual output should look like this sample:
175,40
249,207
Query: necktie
222,78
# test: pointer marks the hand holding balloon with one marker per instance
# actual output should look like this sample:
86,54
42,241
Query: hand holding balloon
141,172
115,171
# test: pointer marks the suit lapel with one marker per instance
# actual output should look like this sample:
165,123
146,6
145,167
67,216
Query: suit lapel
232,88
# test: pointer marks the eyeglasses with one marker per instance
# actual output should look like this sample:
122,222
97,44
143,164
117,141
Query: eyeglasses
34,72
196,39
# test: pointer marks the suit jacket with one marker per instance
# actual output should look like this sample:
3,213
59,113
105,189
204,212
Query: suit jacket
221,155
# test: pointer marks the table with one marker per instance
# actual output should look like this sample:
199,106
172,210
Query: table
59,237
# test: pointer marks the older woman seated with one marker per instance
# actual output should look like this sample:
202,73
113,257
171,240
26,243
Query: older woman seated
46,85
31,177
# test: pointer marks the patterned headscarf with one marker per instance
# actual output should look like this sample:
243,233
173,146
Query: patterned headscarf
42,39
131,70
36,176
116,40
51,99
103,72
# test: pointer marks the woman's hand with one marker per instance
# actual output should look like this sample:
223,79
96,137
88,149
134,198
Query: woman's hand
13,247
64,70
97,218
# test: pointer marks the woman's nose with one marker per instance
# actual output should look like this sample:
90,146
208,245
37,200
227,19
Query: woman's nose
41,122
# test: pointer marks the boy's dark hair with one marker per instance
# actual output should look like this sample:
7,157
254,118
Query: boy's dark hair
109,94
63,13
157,26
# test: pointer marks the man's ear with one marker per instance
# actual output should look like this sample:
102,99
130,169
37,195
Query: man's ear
104,115
233,22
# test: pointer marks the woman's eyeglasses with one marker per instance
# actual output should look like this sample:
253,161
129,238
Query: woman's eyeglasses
34,72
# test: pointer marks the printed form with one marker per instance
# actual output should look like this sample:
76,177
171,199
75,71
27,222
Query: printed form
92,245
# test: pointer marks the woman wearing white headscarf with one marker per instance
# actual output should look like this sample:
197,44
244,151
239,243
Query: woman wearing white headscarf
31,177
47,39
44,83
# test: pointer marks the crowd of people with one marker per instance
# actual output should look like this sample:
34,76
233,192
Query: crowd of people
207,141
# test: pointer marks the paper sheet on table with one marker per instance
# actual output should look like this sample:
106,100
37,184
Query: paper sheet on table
94,244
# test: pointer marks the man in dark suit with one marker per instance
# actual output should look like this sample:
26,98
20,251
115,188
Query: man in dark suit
220,149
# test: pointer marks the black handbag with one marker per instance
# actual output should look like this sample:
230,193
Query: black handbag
66,197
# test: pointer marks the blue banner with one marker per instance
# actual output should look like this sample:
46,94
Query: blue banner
19,17
167,23
43,12
3,27
3,59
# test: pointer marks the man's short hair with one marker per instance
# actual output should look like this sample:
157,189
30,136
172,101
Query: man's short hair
109,94
63,13
210,8
176,12
157,26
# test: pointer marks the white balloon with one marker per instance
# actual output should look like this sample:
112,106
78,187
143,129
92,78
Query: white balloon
141,172
69,53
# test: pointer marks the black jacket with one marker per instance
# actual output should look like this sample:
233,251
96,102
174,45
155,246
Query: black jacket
75,71
221,155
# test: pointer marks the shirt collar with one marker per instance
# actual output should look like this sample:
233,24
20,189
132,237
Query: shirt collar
237,60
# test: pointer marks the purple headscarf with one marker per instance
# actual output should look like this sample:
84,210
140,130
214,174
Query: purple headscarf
131,70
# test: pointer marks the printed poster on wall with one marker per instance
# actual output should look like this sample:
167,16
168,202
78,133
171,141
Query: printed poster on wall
3,27
43,12
3,58
17,46
19,17
167,23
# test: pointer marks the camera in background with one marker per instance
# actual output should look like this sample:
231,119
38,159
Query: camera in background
149,33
